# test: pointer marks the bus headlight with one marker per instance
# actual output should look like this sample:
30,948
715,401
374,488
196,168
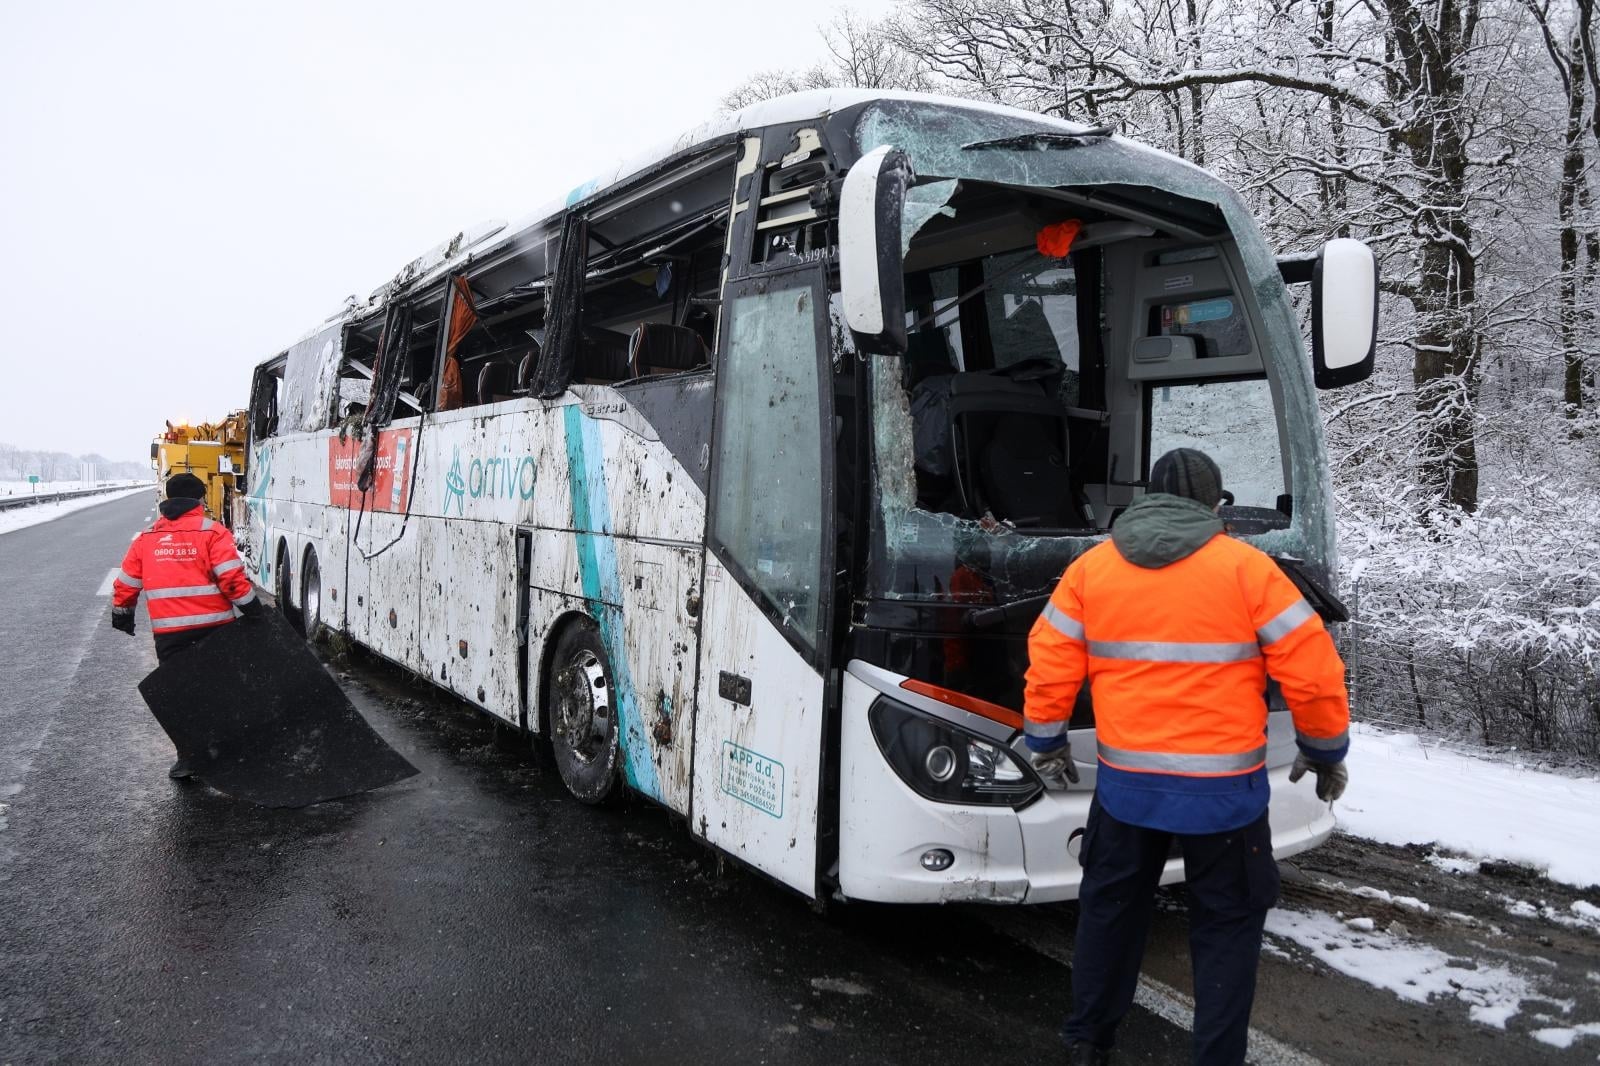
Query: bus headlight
949,765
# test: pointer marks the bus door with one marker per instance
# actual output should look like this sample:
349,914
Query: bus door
764,628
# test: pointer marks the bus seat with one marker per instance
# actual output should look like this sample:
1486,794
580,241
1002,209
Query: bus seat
526,367
494,381
657,348
1024,473
602,356
1012,452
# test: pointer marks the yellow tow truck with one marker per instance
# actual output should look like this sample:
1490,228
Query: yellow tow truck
214,452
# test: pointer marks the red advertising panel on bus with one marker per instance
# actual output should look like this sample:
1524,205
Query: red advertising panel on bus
391,472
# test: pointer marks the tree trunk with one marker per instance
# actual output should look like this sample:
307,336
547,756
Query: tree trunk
1197,138
1572,179
1445,368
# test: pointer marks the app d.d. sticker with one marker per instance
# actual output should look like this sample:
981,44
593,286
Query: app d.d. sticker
752,778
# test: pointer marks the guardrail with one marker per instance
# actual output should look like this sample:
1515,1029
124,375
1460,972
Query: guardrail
9,502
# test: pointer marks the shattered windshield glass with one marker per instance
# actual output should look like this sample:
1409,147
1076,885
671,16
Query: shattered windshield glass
926,548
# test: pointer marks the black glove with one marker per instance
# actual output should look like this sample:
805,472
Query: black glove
251,611
122,618
1055,768
1331,776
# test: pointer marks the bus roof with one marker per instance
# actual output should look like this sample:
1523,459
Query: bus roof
485,238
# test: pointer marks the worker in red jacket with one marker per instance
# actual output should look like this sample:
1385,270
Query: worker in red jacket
190,573
1176,627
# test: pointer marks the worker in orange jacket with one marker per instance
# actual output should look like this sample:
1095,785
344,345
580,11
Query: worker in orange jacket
1176,627
190,573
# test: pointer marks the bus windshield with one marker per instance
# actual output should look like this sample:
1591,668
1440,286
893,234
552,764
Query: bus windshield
1037,388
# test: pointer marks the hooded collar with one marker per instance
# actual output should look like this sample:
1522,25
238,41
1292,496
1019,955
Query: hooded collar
1158,530
176,508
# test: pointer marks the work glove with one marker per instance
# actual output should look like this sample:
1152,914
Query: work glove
1055,768
252,611
1331,776
122,618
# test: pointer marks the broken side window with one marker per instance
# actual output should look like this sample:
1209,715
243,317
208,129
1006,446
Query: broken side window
310,381
265,397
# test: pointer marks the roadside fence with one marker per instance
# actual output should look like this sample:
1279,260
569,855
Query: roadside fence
8,503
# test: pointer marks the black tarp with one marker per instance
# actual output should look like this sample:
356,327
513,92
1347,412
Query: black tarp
563,314
254,714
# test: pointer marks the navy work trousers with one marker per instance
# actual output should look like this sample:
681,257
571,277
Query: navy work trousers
1232,881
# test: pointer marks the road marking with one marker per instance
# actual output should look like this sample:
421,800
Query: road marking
1157,997
105,586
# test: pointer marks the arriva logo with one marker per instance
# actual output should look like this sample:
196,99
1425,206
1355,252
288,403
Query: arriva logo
455,486
502,477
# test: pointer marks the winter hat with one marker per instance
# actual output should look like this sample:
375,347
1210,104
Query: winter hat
1189,473
185,487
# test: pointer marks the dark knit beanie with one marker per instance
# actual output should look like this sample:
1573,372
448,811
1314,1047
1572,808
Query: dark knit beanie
1188,473
185,487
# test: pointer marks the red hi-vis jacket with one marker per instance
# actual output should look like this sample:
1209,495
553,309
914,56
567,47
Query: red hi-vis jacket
1177,654
189,571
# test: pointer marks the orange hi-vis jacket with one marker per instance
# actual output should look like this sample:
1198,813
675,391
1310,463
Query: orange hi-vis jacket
1177,654
189,571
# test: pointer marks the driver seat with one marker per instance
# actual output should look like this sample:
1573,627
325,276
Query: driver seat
1012,453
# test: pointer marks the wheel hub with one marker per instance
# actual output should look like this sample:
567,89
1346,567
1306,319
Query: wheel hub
585,711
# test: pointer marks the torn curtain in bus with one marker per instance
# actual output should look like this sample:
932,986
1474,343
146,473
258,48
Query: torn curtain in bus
311,381
462,316
563,314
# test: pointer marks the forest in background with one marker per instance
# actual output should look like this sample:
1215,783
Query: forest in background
17,463
1458,138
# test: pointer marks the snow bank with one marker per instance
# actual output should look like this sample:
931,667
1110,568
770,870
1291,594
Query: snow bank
1403,793
16,518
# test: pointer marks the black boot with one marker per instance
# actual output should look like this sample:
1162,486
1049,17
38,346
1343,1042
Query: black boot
180,771
1084,1053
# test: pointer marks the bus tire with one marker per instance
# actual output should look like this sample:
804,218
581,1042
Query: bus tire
583,716
311,598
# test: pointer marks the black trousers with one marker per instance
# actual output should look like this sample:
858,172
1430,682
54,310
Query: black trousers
1232,883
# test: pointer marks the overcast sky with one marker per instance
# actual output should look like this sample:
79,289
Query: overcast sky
186,188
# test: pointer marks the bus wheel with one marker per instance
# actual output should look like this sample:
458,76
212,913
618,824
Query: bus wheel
311,598
583,715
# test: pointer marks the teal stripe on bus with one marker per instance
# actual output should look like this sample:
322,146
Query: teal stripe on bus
602,587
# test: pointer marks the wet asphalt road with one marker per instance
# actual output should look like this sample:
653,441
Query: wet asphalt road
471,914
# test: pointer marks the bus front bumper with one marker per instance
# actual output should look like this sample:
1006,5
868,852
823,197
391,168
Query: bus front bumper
898,847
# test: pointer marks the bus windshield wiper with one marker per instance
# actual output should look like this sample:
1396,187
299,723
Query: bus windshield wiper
1043,139
1321,598
989,617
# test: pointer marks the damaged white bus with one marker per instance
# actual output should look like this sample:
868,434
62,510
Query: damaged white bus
740,475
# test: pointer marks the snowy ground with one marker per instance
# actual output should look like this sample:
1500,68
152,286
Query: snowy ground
1403,792
21,517
1493,889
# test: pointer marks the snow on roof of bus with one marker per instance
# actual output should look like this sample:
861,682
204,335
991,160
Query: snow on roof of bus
780,110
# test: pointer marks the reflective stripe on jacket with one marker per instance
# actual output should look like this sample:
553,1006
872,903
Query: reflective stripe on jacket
1177,656
188,570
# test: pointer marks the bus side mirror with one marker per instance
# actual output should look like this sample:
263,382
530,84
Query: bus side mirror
870,261
1344,314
